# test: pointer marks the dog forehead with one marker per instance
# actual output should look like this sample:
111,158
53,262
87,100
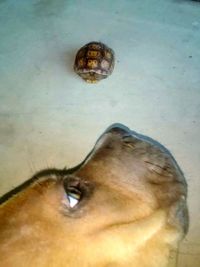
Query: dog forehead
117,146
126,156
123,143
114,160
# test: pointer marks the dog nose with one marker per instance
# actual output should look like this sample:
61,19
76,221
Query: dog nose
119,129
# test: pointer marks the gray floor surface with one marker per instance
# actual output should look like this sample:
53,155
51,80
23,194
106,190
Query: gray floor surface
49,117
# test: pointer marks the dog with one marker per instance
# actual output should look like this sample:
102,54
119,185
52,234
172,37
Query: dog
125,205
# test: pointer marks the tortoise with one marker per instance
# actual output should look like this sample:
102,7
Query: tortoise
94,62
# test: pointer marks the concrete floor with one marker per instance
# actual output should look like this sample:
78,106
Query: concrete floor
49,117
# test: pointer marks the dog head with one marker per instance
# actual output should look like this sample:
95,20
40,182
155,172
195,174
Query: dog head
125,205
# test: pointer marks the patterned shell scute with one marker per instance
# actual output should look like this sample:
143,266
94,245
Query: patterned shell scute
94,62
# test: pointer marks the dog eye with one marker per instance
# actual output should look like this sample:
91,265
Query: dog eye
74,196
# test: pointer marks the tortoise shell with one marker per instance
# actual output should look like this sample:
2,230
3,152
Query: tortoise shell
94,62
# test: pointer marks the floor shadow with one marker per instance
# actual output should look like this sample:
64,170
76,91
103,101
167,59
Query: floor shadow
68,59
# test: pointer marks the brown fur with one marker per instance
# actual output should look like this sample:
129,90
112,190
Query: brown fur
132,210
